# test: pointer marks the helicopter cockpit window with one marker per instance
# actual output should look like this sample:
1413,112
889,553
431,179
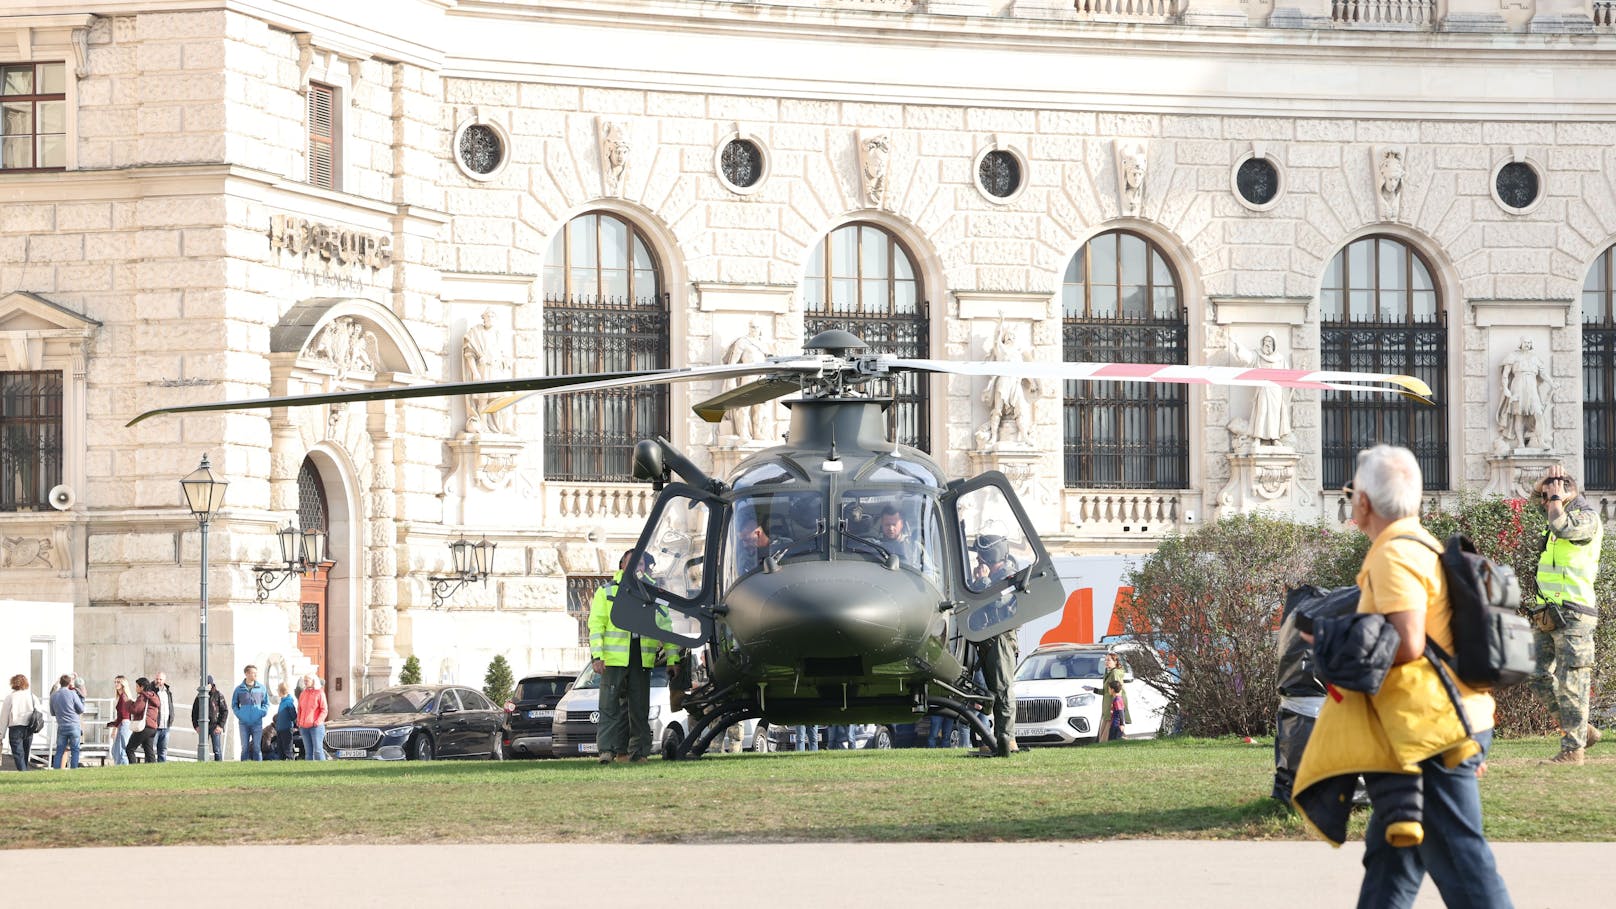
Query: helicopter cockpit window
678,545
763,475
777,525
896,471
902,523
994,542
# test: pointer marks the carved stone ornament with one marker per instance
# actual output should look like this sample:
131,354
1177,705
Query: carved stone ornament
1524,393
27,552
1389,164
1132,160
347,345
614,156
748,424
1260,479
1009,400
484,355
1269,422
1515,475
875,162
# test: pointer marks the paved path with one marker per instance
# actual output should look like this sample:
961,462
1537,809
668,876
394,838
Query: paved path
1144,873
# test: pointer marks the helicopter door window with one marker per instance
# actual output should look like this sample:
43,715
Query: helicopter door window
994,541
675,556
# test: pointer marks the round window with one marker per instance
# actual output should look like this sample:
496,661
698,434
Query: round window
741,163
1517,185
481,149
1257,181
999,173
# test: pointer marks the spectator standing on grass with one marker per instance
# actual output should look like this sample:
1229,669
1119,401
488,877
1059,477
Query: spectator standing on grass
1110,718
312,710
143,721
250,704
1117,708
122,707
67,705
1412,719
1566,611
216,714
839,737
16,718
807,738
940,731
285,722
165,714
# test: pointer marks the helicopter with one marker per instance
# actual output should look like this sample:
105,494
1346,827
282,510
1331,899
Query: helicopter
839,577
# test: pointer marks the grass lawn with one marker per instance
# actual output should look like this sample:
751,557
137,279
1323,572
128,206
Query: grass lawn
1192,789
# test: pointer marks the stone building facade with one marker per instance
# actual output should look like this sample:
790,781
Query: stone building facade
228,201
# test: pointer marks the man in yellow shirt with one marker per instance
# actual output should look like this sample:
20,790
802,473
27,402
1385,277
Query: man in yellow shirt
1402,580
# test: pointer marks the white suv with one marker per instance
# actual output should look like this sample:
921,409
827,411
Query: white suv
1058,695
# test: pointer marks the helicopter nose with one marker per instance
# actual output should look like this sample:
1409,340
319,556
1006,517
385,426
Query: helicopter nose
836,611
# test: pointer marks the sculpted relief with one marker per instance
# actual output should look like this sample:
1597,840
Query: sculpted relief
614,158
1131,163
1389,165
875,153
346,344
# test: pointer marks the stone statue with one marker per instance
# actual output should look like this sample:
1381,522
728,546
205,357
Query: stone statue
1526,388
1009,398
874,159
1389,182
751,423
345,344
1270,419
482,357
1132,165
614,150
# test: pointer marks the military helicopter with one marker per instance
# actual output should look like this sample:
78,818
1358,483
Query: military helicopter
839,577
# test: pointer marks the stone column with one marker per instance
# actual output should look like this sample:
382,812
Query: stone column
1031,460
1544,378
1267,468
378,557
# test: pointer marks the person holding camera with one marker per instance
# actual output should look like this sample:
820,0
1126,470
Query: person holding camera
1566,610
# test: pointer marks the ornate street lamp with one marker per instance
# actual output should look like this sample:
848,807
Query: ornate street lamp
301,553
204,493
471,562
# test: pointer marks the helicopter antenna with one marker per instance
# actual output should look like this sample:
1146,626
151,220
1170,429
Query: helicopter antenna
833,462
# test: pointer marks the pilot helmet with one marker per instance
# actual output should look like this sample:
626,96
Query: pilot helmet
992,548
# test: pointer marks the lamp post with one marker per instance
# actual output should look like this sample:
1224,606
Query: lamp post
204,493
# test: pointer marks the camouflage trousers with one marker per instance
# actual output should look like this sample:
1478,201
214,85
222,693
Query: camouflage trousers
1565,661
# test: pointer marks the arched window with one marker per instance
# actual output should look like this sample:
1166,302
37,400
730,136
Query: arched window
604,311
861,279
1381,312
1121,304
1599,373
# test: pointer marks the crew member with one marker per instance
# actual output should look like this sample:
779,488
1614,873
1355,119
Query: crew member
624,662
894,537
997,655
1567,611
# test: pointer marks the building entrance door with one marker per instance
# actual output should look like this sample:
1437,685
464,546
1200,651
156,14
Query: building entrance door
311,629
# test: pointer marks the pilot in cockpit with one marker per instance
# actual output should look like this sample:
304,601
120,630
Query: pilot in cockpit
751,542
894,537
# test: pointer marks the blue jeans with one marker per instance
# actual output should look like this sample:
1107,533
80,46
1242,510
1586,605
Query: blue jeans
807,738
283,742
218,745
161,741
313,743
120,742
67,739
839,737
252,741
941,733
1455,853
22,740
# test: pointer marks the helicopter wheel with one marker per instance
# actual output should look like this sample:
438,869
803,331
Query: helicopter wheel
671,740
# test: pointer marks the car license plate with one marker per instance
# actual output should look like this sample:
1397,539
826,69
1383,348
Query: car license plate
350,753
540,714
588,748
1031,730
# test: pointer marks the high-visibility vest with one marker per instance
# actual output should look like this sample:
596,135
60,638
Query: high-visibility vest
1566,570
610,644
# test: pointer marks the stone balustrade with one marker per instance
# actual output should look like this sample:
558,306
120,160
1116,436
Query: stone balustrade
599,501
1604,14
1392,14
1131,10
1119,512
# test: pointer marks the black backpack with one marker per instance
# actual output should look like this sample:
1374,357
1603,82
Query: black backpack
1492,642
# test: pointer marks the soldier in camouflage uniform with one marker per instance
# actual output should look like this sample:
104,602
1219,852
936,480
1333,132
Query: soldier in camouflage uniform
1566,611
997,655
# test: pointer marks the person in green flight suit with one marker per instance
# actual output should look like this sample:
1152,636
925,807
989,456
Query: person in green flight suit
997,655
624,662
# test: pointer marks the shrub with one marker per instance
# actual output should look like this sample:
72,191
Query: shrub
411,673
499,683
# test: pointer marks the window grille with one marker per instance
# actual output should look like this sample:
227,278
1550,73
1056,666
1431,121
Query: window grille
311,510
604,311
1599,374
30,439
580,592
33,116
323,136
1381,312
1121,304
861,279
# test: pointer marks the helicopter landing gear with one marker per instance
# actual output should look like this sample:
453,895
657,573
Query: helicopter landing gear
964,714
710,726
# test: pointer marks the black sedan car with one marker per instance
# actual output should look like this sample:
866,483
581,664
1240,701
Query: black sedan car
419,723
530,716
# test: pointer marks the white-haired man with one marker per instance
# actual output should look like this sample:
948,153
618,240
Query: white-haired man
1402,580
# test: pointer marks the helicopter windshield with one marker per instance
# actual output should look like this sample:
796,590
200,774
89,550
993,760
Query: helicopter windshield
783,525
904,523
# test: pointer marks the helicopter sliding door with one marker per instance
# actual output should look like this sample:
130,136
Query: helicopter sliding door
668,595
1005,578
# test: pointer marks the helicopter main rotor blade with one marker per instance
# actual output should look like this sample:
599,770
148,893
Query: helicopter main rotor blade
1409,386
516,389
759,391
